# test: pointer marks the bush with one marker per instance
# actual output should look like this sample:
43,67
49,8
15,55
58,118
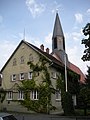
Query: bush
67,103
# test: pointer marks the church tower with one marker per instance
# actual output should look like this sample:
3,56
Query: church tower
58,42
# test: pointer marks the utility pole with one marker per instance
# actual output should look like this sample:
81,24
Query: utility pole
65,61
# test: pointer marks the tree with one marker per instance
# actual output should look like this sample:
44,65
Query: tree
66,97
84,95
86,41
88,77
84,99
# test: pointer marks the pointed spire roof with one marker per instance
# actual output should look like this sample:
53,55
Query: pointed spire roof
57,27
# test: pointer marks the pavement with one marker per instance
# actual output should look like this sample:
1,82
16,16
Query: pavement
21,116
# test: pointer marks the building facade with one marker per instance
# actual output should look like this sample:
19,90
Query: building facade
16,70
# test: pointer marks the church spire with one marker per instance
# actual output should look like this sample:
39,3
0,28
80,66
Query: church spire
58,36
57,27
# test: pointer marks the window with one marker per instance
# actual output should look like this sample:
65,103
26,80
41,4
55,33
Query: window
30,58
53,74
55,43
58,95
22,60
21,76
14,62
34,95
30,75
20,95
9,95
14,77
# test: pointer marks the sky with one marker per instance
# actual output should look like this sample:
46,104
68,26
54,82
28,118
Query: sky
34,21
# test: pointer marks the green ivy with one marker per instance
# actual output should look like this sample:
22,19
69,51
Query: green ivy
73,82
2,95
73,88
45,89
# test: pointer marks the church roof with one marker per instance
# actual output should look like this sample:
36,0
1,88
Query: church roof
48,56
57,28
78,71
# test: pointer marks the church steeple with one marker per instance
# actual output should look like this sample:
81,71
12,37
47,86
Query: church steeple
58,36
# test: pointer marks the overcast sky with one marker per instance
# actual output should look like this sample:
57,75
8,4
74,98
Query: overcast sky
37,17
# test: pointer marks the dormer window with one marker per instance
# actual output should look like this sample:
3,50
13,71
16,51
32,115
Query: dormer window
14,62
22,60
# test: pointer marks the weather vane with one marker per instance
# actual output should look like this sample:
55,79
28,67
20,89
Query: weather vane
56,10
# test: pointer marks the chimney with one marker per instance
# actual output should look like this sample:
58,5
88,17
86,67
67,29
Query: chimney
42,47
47,50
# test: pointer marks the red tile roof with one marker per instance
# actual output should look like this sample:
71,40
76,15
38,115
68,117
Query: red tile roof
78,71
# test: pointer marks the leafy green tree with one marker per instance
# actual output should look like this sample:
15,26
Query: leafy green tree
84,95
84,99
67,103
88,77
66,97
86,41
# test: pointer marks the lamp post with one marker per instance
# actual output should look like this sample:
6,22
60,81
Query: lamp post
65,61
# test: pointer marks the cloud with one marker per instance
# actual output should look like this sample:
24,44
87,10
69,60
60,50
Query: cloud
34,7
56,7
75,36
6,48
48,39
74,55
37,42
79,17
88,11
1,19
75,50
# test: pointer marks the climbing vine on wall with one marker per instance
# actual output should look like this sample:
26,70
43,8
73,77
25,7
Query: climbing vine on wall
73,88
44,88
2,95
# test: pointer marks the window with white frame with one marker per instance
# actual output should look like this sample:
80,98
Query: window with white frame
58,95
20,95
21,76
14,77
9,95
30,75
22,60
34,94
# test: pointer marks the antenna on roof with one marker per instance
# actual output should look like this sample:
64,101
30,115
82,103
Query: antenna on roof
24,34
